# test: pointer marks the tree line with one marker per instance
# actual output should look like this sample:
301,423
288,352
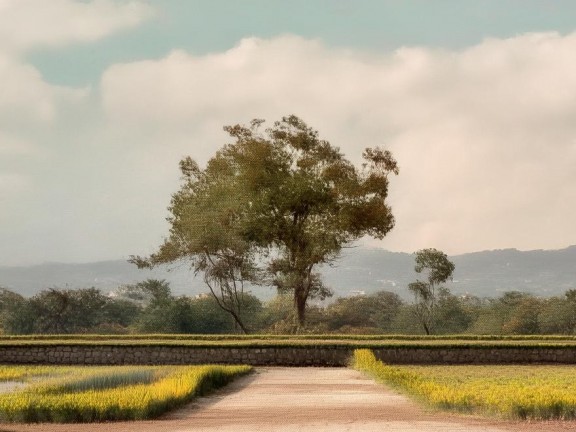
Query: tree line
151,307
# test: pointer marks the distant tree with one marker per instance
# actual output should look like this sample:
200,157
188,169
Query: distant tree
388,305
524,317
173,315
160,310
404,322
557,316
16,315
118,316
369,313
502,315
283,196
210,318
60,311
279,317
454,314
438,269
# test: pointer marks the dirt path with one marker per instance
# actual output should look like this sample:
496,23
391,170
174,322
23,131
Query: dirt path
304,399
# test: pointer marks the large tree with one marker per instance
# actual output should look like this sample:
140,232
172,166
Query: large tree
272,206
437,268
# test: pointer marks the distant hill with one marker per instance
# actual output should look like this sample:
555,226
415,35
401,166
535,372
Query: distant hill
485,274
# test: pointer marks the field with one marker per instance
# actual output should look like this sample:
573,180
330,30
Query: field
522,392
103,393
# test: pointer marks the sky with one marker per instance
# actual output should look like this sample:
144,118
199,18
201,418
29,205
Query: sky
100,99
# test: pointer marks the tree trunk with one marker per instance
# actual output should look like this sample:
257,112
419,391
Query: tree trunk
237,320
426,329
301,293
300,309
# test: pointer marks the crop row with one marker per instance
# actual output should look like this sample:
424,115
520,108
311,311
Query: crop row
271,337
525,392
79,394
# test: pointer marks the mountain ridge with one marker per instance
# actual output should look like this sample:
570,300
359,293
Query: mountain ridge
360,269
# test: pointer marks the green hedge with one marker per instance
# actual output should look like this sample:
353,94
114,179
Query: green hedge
229,337
270,341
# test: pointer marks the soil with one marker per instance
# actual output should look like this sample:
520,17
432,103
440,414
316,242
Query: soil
304,399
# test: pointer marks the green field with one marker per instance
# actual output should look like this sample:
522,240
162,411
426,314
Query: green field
103,393
356,341
514,391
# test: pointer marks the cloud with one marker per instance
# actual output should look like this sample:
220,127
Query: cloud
31,24
27,99
28,104
484,136
45,130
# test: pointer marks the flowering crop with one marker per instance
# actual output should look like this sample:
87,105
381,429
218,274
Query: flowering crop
109,393
517,391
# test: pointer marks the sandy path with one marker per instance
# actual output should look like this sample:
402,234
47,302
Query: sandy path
304,399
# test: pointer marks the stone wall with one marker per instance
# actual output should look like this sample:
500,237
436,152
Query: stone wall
317,355
141,354
476,355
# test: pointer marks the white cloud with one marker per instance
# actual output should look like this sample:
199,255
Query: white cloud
28,104
45,130
26,99
484,136
30,24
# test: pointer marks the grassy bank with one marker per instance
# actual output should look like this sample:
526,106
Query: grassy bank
524,392
302,337
355,341
90,394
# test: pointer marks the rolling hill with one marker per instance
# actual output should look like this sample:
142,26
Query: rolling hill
485,274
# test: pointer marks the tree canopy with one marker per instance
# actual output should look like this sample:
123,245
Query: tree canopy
271,206
438,269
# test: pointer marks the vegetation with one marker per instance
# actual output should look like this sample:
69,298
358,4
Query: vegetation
438,269
90,394
269,208
524,392
272,341
150,307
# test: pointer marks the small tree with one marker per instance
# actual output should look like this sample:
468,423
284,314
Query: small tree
438,269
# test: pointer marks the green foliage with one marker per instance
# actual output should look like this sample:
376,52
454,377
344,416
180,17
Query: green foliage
404,322
210,318
16,314
68,311
438,269
454,315
282,196
137,310
558,315
513,313
367,314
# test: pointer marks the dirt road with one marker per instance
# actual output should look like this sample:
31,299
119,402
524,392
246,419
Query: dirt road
304,399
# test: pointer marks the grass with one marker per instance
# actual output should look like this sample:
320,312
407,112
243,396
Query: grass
271,337
521,392
105,393
263,341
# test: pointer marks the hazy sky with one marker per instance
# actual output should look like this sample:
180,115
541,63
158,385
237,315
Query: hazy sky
99,100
